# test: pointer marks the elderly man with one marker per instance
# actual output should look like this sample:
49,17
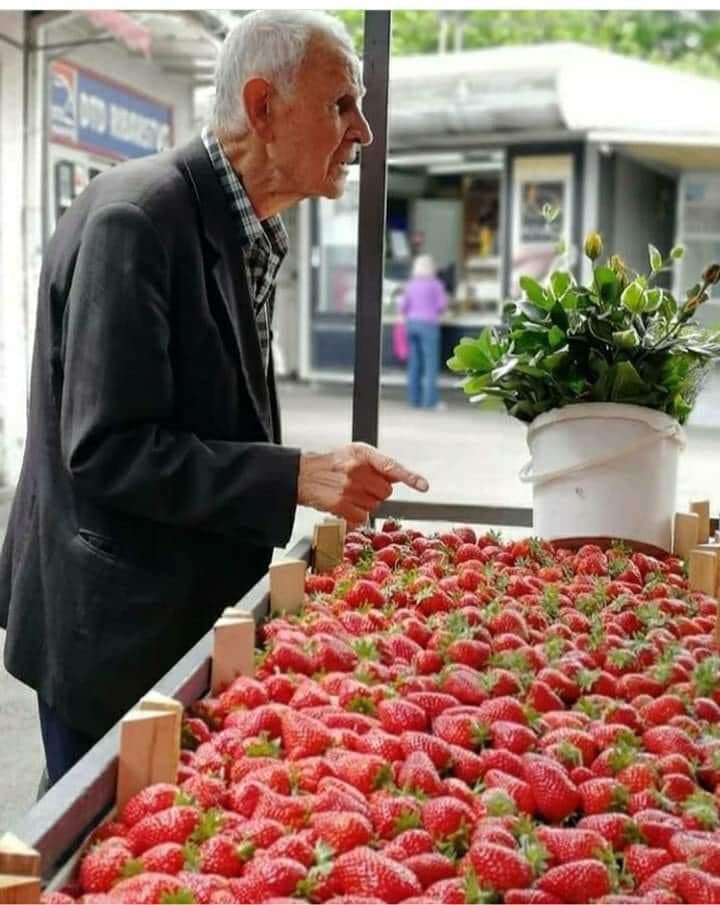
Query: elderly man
154,487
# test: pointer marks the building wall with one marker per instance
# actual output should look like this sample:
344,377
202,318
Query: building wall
18,281
13,361
644,212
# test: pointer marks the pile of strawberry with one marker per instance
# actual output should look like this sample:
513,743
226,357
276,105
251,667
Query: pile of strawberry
448,719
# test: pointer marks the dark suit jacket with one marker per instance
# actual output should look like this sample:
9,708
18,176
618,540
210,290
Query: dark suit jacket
152,488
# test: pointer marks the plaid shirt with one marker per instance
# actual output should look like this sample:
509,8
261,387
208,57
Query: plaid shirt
264,244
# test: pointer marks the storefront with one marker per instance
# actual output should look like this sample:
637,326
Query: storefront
479,142
95,122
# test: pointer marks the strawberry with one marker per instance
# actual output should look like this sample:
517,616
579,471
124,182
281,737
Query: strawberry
618,829
506,709
364,592
363,872
393,814
364,772
580,881
598,796
702,850
166,858
511,736
387,746
286,657
566,844
643,861
697,886
662,709
464,685
303,736
556,796
260,832
409,843
174,824
397,715
446,816
541,697
145,889
656,827
244,693
206,791
461,729
468,652
520,791
103,865
342,830
499,868
430,867
221,855
267,878
418,774
663,740
438,750
296,846
291,811
148,801
527,897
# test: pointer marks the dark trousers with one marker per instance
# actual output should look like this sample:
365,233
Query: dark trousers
64,746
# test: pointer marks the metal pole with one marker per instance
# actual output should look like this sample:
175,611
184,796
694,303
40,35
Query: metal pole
371,230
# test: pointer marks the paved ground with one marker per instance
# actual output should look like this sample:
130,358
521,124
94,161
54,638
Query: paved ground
467,456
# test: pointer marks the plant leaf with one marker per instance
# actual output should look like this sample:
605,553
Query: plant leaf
656,259
534,291
556,337
626,339
633,297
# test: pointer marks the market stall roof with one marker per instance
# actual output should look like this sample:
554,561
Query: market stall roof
554,90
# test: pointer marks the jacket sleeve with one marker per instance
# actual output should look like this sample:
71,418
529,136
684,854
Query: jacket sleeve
118,438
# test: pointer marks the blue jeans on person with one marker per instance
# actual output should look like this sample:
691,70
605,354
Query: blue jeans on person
423,363
64,746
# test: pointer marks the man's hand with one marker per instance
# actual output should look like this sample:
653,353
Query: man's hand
351,482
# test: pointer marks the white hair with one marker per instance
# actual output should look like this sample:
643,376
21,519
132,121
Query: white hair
423,266
268,44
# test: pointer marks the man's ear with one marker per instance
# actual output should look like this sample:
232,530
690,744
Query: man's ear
256,95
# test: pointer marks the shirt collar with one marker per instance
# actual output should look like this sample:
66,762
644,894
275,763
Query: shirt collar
252,229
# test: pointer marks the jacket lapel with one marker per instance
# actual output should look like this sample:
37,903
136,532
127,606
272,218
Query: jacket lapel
229,272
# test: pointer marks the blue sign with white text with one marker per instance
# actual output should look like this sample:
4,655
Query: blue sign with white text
104,118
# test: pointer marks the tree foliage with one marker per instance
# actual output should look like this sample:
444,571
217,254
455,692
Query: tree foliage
684,38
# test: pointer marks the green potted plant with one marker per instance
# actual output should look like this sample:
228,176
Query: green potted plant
605,375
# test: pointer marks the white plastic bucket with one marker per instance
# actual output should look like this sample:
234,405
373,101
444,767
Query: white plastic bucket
604,470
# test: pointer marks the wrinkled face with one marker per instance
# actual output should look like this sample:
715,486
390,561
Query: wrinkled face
318,129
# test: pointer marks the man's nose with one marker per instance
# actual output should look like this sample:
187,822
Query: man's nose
361,133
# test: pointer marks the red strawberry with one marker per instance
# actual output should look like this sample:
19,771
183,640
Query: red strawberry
527,897
445,816
662,709
393,814
567,844
580,881
703,850
430,868
303,736
468,766
506,709
148,801
382,743
657,827
669,740
499,868
598,796
144,889
511,736
203,886
206,791
223,856
245,693
103,865
618,829
542,698
260,833
461,729
556,796
468,652
464,685
364,872
439,751
397,715
296,846
365,592
364,772
418,774
290,810
643,861
409,843
517,789
287,657
166,858
280,688
174,824
342,830
268,878
698,887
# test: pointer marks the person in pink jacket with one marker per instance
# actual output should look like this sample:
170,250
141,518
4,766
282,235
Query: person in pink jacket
423,304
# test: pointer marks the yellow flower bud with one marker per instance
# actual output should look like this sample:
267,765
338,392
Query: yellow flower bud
593,246
617,264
